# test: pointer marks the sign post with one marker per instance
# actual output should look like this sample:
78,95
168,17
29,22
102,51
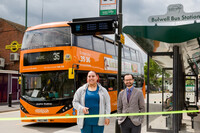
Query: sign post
117,128
105,24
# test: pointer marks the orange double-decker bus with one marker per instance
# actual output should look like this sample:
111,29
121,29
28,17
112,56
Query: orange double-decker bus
54,63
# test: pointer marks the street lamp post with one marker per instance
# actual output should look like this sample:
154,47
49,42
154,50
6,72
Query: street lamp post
26,14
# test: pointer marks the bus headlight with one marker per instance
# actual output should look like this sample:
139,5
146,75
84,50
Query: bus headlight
23,109
64,109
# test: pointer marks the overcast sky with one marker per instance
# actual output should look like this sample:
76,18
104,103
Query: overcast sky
135,12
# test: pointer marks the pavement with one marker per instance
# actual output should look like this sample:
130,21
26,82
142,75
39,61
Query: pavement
155,122
5,108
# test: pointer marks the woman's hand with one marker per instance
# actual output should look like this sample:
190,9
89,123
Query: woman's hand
86,110
107,122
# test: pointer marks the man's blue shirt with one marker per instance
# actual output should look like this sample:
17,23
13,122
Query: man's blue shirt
130,89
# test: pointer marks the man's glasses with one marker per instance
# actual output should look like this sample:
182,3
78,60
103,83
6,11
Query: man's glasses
126,80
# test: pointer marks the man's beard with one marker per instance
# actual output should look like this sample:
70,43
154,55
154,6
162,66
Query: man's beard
129,85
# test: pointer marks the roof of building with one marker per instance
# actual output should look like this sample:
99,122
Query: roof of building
19,27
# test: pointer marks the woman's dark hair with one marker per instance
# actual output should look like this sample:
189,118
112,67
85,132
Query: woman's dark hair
95,74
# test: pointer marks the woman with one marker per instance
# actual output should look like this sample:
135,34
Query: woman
90,99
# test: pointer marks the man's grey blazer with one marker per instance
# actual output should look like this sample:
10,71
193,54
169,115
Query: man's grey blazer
135,105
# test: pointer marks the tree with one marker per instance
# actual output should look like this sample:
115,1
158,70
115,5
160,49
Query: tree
155,72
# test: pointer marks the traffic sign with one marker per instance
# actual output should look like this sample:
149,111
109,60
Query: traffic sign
122,39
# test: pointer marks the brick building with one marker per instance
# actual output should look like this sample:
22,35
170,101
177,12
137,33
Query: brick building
11,35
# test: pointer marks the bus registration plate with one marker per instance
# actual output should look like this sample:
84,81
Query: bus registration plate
42,120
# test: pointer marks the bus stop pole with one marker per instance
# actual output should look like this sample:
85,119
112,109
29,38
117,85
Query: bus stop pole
117,128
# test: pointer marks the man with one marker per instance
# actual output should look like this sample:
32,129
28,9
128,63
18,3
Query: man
130,100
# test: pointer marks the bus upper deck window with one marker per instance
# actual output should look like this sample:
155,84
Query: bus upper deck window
48,37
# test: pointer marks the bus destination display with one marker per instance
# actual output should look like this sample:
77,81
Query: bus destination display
41,58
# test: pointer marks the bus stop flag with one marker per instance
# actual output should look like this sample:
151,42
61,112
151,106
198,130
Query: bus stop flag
108,7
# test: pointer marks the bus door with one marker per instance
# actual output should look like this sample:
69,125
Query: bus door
138,82
81,78
112,90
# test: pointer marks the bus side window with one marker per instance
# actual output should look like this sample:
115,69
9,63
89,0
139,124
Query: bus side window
84,41
110,48
122,52
112,83
99,45
133,54
103,80
127,53
117,51
137,59
138,82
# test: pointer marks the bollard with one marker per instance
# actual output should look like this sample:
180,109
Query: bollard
10,100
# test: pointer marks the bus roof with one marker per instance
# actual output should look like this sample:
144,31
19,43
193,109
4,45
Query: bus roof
49,25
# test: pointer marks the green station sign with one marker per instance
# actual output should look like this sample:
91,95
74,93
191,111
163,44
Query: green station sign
108,7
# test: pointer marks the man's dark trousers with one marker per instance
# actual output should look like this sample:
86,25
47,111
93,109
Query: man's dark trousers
128,127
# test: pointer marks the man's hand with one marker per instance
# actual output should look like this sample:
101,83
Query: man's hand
107,122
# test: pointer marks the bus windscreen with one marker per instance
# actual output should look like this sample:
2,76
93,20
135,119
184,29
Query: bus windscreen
47,86
49,37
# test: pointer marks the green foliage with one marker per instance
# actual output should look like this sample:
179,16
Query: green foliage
190,82
155,74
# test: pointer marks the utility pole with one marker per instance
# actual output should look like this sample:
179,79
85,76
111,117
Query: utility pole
117,128
42,11
26,14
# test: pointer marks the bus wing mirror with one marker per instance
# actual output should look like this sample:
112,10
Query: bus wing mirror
71,73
